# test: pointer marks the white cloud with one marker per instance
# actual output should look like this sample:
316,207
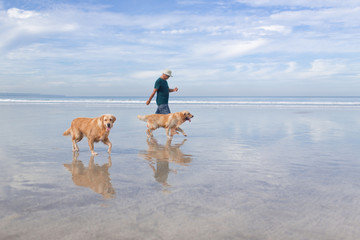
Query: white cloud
275,28
302,3
319,17
320,70
20,27
180,31
325,67
19,13
224,50
146,74
291,68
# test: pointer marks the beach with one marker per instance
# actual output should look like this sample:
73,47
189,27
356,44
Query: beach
243,172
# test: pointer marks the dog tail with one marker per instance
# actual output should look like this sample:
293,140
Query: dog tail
142,118
67,132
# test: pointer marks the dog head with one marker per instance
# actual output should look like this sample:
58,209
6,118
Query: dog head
107,120
187,115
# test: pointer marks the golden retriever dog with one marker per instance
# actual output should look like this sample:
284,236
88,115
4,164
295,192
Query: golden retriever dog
95,129
171,122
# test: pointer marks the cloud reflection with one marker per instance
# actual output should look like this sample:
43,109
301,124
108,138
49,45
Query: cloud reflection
95,177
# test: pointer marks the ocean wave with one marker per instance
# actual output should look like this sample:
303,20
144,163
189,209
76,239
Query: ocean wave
266,103
269,102
60,101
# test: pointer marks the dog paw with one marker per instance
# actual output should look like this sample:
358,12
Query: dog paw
94,153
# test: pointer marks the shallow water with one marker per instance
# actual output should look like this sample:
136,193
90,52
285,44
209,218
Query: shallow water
242,173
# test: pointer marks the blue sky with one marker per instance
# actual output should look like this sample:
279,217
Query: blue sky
234,47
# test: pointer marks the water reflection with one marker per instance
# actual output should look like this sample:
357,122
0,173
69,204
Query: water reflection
160,156
95,177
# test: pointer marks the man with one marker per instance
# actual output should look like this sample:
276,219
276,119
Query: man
162,91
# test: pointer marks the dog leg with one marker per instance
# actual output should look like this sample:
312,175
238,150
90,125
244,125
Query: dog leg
149,132
168,134
91,146
107,142
76,137
182,131
174,131
75,147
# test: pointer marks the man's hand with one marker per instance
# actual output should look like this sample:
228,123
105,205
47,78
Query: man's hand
151,96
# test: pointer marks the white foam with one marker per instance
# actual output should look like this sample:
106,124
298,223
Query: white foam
222,102
67,101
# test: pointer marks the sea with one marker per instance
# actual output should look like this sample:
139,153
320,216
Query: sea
279,101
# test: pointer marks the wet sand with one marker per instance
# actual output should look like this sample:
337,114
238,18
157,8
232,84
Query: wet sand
242,173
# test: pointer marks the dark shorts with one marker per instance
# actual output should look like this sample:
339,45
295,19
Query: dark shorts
163,109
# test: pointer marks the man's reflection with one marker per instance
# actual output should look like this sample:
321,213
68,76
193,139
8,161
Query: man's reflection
95,177
160,156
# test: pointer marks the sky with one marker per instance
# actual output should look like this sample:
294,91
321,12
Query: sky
213,47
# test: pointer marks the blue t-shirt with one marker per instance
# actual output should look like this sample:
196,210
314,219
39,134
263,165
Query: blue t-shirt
162,94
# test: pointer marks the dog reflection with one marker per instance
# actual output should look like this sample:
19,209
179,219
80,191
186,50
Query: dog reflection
160,156
95,177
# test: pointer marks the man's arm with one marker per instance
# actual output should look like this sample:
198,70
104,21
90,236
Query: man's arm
151,96
173,90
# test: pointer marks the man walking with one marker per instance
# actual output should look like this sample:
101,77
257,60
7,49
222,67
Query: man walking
162,90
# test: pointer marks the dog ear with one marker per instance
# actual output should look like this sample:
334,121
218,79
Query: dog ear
101,120
184,114
114,118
